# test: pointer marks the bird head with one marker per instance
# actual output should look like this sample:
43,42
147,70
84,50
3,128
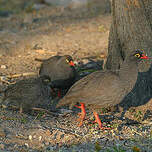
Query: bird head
140,54
69,60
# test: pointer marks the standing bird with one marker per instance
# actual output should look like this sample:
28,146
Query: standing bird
103,89
61,71
27,94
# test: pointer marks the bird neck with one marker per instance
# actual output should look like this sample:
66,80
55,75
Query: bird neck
128,73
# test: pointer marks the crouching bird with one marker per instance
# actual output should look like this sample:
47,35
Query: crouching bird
61,71
104,88
27,93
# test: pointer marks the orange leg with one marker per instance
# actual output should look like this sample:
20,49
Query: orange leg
82,114
97,119
54,92
59,93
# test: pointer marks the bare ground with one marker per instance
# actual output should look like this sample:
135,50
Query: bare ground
47,32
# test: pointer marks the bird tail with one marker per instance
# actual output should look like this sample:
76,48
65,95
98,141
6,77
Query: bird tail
40,60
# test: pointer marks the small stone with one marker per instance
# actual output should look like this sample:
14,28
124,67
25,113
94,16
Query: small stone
3,67
30,137
26,144
102,55
47,143
34,136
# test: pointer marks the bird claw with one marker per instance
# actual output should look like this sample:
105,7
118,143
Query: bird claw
81,117
80,124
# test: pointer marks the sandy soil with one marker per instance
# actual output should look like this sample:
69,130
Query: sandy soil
51,31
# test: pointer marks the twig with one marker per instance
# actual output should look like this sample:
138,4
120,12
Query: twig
5,80
21,75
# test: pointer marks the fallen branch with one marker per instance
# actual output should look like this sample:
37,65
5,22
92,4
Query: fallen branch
21,75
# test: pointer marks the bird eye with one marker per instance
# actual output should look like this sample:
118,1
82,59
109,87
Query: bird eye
67,60
137,55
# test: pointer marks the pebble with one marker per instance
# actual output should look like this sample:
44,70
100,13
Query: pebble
3,67
26,144
30,137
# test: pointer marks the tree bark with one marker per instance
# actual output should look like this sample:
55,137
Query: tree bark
131,29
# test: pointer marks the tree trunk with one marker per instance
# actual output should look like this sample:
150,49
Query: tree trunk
131,29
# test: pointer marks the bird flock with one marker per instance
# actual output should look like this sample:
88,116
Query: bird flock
94,91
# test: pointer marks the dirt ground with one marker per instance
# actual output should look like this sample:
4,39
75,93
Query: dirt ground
51,31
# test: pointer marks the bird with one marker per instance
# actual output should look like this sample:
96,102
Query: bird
102,89
27,93
61,71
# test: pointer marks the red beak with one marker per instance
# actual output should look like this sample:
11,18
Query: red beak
144,57
71,63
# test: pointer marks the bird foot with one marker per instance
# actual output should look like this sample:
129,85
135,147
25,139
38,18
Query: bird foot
79,115
80,124
82,114
97,120
81,118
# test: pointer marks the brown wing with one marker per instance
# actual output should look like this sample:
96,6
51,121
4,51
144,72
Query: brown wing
48,64
25,91
91,89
